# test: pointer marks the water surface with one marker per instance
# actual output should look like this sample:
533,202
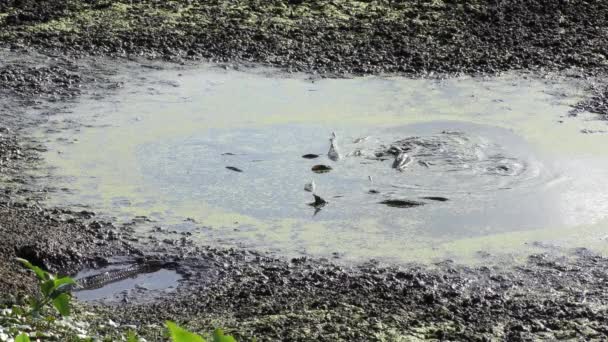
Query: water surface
513,168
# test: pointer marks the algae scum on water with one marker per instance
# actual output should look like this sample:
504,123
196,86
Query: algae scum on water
494,162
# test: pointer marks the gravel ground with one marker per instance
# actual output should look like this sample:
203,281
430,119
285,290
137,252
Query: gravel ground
339,36
53,59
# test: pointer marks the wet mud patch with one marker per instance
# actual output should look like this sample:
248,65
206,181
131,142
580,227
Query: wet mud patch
596,103
33,88
147,279
305,298
56,81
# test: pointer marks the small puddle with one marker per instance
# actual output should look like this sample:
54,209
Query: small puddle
139,286
490,165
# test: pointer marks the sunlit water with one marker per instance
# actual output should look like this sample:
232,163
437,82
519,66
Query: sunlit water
493,147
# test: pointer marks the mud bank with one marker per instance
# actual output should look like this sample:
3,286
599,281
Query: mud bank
336,38
33,87
358,37
251,294
302,300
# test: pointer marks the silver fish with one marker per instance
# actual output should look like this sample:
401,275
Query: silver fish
333,153
402,161
310,187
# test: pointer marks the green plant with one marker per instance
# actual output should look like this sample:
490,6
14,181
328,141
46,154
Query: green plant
218,336
23,337
132,336
179,334
53,290
56,291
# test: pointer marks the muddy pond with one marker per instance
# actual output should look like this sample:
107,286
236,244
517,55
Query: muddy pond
496,167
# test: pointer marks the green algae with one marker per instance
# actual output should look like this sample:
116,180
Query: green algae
113,20
122,18
115,176
117,19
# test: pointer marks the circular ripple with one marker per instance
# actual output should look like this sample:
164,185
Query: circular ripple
458,161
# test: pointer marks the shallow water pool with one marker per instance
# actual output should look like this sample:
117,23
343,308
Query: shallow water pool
496,162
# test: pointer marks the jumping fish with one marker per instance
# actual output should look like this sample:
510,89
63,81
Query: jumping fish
402,161
310,187
333,153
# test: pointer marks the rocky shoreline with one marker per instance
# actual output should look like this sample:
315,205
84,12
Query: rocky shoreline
50,59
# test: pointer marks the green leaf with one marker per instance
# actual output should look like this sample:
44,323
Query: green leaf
218,336
40,273
61,285
47,287
64,281
62,304
23,337
18,311
132,337
182,335
35,305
